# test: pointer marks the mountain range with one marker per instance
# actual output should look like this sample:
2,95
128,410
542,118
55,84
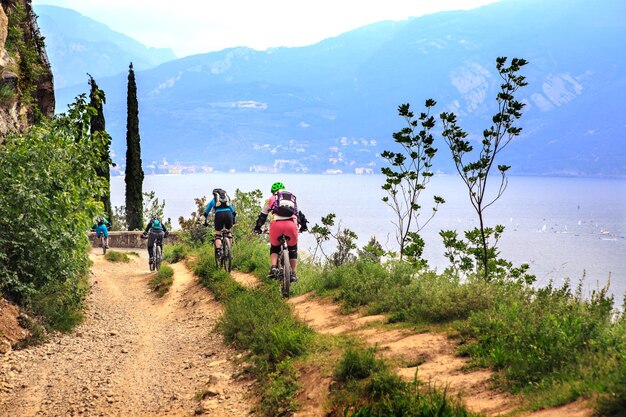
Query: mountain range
78,45
332,106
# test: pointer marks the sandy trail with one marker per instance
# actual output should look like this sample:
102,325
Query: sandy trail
134,355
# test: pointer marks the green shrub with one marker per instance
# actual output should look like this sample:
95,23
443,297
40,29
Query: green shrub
357,363
115,256
175,252
539,335
61,303
251,255
436,298
280,392
163,280
50,176
260,321
369,387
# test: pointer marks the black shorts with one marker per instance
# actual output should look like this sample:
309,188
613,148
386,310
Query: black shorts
223,219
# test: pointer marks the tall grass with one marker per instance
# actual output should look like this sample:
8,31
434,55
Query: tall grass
162,280
115,256
369,387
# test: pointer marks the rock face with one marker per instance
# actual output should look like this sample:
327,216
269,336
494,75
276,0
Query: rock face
26,81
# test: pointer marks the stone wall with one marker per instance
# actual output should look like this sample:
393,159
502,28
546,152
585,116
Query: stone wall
128,239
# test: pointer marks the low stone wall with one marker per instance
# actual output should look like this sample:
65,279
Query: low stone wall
127,239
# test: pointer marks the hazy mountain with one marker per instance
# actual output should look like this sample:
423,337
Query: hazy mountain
333,105
78,45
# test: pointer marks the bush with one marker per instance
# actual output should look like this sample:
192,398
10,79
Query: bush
163,280
434,298
115,256
281,389
260,321
50,176
536,336
369,387
175,252
357,363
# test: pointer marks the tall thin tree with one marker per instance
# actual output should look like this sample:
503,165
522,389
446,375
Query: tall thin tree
134,171
475,174
97,99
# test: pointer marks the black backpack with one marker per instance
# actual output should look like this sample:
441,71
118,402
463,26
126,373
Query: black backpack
222,199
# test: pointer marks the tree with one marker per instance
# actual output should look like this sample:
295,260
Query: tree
134,171
475,174
408,176
97,100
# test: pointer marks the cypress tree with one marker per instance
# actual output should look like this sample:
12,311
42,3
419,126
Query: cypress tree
97,99
134,172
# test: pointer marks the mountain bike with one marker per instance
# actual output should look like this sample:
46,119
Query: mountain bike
225,259
157,252
103,243
284,267
158,256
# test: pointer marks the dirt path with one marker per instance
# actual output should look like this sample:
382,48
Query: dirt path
134,355
434,353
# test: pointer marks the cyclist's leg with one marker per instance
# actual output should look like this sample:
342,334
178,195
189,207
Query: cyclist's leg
274,251
228,224
159,238
151,238
221,220
293,257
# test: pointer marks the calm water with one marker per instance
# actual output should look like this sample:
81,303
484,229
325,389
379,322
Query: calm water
563,227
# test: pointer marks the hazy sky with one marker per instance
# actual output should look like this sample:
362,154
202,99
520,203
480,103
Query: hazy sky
198,26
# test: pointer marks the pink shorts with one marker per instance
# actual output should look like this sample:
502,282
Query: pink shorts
283,227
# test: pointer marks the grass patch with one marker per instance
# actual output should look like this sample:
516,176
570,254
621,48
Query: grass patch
115,256
367,386
175,252
61,303
37,332
163,280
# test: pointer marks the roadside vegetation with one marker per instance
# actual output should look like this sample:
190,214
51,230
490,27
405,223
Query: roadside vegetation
49,175
115,256
162,280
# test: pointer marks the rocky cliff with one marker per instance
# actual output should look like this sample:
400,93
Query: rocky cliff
26,82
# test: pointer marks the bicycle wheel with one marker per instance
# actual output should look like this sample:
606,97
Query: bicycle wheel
227,257
157,258
104,246
285,273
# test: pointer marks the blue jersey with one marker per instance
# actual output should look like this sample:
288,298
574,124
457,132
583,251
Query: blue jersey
102,229
211,206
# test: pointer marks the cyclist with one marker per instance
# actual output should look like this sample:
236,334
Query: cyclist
225,216
154,230
101,228
285,220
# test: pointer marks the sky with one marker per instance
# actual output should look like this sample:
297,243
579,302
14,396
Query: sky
197,26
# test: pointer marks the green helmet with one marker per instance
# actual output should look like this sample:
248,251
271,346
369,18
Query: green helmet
277,186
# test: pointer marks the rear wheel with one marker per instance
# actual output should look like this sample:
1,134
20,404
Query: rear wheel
104,245
227,258
157,258
285,272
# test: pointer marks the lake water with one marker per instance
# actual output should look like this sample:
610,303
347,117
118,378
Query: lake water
562,227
